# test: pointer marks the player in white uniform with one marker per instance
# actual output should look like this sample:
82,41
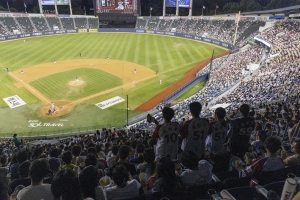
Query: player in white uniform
167,136
195,131
218,136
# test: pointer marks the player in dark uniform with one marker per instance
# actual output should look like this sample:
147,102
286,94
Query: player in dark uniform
240,131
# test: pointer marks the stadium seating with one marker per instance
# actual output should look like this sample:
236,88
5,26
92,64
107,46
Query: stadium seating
67,23
164,25
40,23
93,23
10,24
141,24
26,25
81,22
152,24
53,22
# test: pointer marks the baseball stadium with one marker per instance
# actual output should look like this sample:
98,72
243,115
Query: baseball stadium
142,104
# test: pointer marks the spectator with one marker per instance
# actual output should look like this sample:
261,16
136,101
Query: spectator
192,175
112,159
54,164
16,141
293,160
3,168
124,186
24,176
166,135
164,178
241,130
90,184
138,157
65,185
195,131
124,160
76,152
3,190
38,170
67,159
261,136
216,140
271,162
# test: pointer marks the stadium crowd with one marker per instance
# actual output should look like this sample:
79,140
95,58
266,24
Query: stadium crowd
187,154
174,161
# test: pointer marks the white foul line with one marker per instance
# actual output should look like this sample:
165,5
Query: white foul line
29,87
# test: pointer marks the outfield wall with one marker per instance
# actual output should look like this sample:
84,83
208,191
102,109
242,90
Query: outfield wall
120,30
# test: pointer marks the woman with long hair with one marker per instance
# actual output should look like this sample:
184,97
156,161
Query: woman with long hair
89,183
164,178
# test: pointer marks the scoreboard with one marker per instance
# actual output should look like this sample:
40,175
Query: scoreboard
118,7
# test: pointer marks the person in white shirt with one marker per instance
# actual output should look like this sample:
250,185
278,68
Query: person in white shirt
125,187
38,170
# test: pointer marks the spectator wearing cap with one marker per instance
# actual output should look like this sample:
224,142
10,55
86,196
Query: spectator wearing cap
54,164
38,170
193,175
24,176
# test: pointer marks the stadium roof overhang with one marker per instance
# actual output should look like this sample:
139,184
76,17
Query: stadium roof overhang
286,11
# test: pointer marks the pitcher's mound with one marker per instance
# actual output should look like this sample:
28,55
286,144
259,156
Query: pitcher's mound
76,83
61,108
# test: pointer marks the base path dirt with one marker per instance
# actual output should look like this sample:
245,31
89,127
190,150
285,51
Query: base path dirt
188,76
130,73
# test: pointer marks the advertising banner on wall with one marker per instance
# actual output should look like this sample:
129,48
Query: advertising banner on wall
51,2
182,3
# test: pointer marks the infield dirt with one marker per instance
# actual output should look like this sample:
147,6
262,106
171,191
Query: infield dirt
121,69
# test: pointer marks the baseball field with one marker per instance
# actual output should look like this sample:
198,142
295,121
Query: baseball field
77,71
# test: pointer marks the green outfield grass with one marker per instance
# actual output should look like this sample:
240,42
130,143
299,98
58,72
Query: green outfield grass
170,56
95,81
193,90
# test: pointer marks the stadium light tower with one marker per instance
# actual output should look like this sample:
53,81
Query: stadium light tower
177,8
237,20
164,8
191,8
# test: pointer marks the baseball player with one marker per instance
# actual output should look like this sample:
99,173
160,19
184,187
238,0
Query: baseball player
166,135
195,131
